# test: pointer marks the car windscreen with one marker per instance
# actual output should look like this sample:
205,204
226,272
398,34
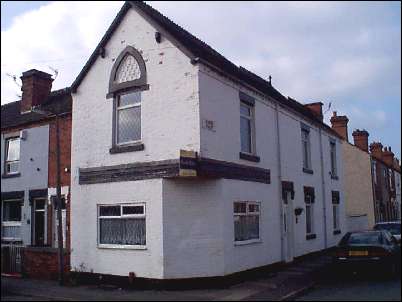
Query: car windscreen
364,239
393,228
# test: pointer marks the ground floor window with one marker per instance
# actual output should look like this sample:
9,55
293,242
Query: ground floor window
309,198
335,210
246,220
122,224
11,220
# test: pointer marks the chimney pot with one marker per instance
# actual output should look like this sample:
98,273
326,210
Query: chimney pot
360,138
36,87
340,125
316,109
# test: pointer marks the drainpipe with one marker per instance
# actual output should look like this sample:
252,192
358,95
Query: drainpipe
324,208
278,150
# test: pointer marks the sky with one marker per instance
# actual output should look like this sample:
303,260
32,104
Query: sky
347,54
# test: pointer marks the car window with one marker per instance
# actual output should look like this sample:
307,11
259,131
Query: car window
365,238
393,228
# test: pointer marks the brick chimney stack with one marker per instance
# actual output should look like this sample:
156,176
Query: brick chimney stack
360,138
388,156
376,150
316,108
36,87
340,125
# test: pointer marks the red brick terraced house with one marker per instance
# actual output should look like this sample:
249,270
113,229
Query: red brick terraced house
28,178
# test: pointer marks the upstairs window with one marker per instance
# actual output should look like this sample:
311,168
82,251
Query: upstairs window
246,128
12,158
128,118
306,148
127,82
332,146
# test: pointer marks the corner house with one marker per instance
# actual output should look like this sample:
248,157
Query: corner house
185,165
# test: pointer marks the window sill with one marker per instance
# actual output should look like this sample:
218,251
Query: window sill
311,236
127,148
308,171
337,232
11,175
249,157
122,247
247,242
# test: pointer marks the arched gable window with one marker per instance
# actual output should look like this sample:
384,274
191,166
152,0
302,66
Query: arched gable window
127,80
128,72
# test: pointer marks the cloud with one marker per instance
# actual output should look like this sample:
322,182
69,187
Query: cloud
61,35
348,53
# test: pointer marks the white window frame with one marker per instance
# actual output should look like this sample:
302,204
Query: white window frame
11,223
306,164
310,204
120,108
122,246
248,213
252,128
7,162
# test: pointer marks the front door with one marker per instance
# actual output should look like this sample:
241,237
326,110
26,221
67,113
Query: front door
288,227
39,219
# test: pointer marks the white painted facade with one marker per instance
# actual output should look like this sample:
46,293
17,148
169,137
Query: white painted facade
190,223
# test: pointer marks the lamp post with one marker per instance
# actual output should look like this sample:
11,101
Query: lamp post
38,110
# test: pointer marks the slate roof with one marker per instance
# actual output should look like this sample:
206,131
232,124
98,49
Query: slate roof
201,50
59,101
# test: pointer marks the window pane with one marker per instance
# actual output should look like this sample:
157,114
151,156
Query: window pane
253,208
128,70
13,149
245,134
129,99
129,124
109,211
131,210
240,227
12,167
12,210
134,233
240,207
253,227
111,231
245,110
11,232
122,231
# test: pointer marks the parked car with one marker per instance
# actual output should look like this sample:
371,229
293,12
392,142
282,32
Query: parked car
373,250
394,227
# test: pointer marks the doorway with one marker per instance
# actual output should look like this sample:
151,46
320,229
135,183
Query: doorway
288,226
40,222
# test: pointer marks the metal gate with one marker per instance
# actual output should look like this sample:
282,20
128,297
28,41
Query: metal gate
11,258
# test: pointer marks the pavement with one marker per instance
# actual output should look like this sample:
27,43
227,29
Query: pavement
286,284
354,287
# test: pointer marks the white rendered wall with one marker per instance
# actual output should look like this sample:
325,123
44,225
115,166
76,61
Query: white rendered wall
85,251
170,122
